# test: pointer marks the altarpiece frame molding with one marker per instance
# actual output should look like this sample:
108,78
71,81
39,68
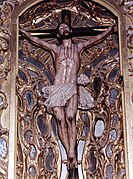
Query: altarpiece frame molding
124,21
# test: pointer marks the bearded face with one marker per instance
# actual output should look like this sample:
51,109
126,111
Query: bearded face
64,31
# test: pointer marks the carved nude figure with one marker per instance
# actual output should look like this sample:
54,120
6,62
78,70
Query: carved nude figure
64,96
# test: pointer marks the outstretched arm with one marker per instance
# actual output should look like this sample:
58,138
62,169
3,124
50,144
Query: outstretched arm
40,43
94,40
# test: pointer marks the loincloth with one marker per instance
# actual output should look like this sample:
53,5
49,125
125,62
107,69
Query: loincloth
59,94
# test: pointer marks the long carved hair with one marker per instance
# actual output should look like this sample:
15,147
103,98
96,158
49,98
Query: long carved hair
61,37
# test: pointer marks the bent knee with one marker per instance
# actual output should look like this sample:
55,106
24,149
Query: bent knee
59,118
70,114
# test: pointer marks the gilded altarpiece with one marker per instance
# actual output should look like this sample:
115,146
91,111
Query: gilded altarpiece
30,145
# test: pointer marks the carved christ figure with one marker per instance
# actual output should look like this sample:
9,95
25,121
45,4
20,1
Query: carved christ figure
65,96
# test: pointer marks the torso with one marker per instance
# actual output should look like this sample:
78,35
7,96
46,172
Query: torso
67,64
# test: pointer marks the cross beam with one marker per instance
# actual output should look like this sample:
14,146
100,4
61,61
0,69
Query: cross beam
66,17
84,31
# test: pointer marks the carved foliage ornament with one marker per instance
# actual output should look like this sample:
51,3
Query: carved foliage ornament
6,10
3,139
130,46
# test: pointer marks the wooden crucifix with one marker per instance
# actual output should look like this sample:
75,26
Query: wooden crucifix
67,94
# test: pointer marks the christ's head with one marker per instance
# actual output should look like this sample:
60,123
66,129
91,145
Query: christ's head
64,31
